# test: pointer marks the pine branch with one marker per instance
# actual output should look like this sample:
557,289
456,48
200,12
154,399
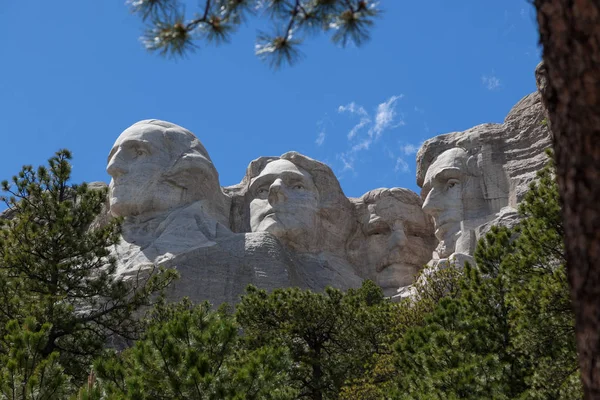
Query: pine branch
171,34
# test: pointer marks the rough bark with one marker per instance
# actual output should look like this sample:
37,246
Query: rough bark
570,36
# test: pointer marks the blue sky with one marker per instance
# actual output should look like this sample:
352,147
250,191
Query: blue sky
73,74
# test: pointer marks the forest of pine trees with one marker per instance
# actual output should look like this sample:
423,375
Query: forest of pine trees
502,328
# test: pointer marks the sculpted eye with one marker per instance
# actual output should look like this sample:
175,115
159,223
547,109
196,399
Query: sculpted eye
380,231
298,186
262,192
137,151
379,228
452,183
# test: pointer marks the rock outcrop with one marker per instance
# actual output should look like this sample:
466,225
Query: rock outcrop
475,179
288,223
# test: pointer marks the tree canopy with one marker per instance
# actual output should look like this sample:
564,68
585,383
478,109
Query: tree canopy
510,331
172,32
502,328
58,281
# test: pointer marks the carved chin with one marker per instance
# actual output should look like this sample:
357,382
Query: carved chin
272,225
396,275
291,233
117,208
447,231
447,245
121,202
122,209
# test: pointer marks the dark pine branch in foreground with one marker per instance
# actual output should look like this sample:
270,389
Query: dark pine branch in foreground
172,32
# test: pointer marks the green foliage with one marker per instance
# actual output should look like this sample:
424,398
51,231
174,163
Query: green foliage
502,328
25,372
191,352
543,317
172,34
463,350
332,337
509,333
58,271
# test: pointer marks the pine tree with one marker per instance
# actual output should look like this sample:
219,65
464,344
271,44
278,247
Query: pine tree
192,352
25,373
543,319
465,348
570,36
171,33
379,380
510,331
58,272
332,337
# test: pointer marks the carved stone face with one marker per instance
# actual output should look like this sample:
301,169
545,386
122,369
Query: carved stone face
445,180
155,168
284,203
396,242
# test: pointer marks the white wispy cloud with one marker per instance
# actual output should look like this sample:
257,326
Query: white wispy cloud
347,162
389,152
320,139
385,117
353,108
363,122
362,145
401,166
491,82
369,130
409,149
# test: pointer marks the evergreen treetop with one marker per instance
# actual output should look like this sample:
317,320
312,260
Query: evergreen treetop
58,272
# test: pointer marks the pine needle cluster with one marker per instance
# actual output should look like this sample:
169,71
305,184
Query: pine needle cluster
172,32
57,276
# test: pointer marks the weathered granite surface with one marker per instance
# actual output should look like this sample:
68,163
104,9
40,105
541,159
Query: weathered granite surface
393,239
472,178
475,179
288,222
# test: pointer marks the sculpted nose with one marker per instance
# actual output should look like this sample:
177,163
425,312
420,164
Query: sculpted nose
431,205
115,166
277,192
398,237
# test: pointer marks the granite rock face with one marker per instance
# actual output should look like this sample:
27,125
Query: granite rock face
393,238
288,223
475,179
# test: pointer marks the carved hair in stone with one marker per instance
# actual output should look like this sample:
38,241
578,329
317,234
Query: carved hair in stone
476,178
298,200
167,188
158,166
394,239
462,190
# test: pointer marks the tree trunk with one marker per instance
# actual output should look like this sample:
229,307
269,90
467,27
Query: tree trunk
570,36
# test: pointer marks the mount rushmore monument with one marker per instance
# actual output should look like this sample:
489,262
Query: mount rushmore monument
288,222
